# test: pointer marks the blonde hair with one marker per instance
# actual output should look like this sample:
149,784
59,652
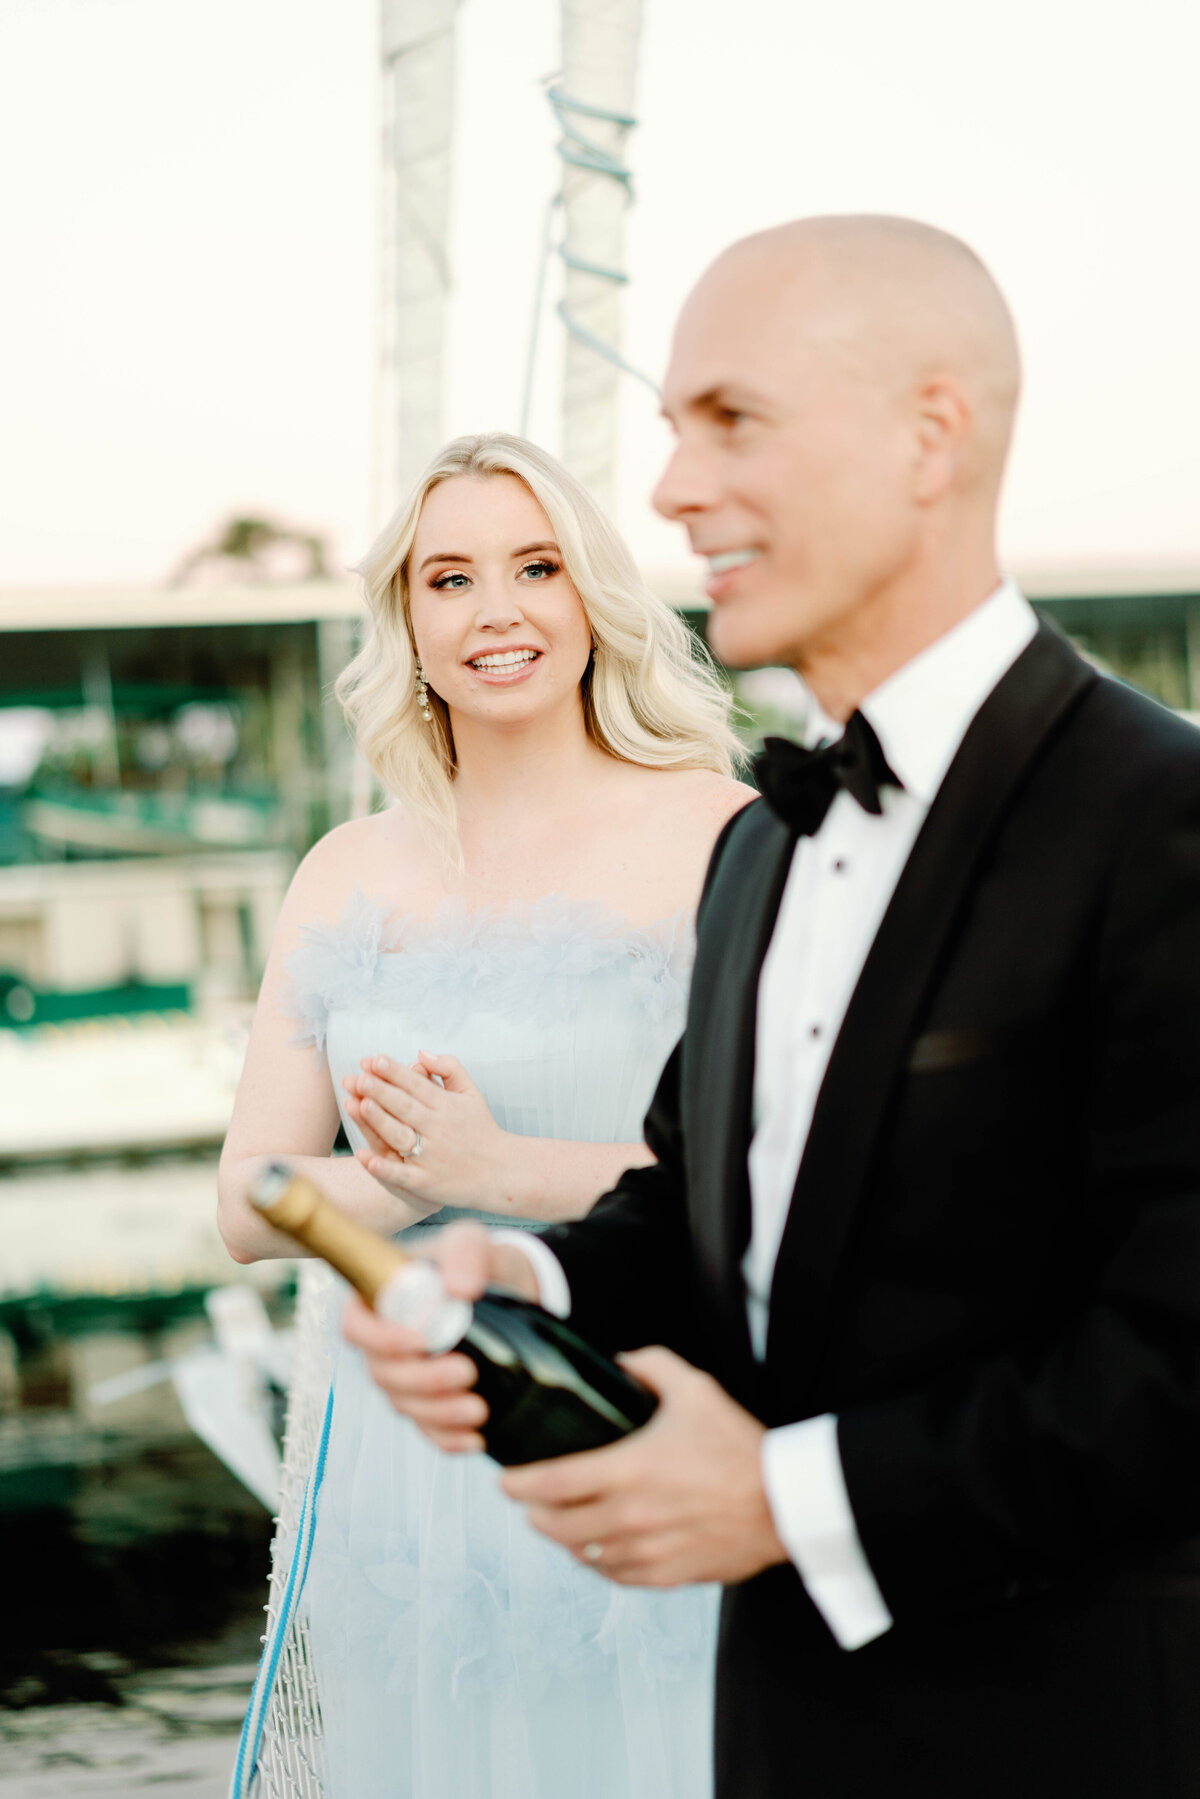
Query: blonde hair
651,694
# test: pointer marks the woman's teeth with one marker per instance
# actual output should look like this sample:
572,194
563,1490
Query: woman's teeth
721,565
509,659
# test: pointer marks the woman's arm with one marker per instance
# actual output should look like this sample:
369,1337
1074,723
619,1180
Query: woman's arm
466,1159
558,1181
285,1105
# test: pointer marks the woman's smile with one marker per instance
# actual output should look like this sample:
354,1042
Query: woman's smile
504,668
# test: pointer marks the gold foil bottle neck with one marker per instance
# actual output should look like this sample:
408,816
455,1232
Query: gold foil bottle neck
296,1206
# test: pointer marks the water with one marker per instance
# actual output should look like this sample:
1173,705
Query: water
175,1731
129,1630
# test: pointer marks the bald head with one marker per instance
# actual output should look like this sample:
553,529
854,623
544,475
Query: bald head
897,300
843,390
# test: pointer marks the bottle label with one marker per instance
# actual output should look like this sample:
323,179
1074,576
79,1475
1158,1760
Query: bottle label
415,1296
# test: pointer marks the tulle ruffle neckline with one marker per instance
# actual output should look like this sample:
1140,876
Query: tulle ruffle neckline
521,960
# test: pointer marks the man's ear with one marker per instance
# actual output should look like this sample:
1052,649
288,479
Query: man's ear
943,420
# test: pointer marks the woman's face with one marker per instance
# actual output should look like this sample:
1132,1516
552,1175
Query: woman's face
500,630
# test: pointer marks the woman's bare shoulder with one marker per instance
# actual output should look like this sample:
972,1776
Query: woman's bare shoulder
701,799
727,796
385,854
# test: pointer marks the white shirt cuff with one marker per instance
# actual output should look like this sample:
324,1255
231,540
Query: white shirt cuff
810,1507
554,1293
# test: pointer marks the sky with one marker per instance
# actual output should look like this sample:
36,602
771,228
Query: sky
187,226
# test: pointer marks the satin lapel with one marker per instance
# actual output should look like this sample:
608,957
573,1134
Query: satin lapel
1003,742
737,919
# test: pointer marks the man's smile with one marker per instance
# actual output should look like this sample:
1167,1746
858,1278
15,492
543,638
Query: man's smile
723,561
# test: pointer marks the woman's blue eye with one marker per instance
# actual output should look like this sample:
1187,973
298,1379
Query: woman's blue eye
542,571
444,581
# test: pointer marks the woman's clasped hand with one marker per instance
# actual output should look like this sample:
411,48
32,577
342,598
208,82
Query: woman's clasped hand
430,1134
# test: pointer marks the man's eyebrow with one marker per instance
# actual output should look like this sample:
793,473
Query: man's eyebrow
722,396
444,556
725,395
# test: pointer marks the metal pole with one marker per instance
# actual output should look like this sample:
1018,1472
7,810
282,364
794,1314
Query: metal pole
594,103
417,129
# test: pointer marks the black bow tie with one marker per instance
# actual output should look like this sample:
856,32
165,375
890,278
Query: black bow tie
800,785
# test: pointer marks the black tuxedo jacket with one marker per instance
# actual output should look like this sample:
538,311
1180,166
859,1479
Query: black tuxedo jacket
990,1272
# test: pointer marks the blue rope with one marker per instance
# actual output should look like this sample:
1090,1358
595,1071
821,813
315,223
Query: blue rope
264,1681
581,152
563,103
603,349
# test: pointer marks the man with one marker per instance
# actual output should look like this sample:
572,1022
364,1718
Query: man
926,1208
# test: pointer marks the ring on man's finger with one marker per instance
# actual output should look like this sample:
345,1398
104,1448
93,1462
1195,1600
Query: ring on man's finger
592,1552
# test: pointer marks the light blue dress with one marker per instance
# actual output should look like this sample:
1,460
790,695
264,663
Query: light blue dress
458,1654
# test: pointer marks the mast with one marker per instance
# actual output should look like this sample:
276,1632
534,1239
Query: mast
416,145
594,106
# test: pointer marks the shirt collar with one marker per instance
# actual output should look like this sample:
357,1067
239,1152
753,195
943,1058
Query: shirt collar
921,713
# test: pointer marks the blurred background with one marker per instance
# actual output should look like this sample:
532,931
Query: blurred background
260,258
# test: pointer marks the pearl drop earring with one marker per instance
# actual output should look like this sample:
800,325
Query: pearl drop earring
423,695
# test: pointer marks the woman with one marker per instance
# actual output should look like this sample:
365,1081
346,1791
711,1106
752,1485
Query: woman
495,969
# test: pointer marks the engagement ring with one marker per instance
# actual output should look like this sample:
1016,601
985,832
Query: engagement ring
592,1552
418,1146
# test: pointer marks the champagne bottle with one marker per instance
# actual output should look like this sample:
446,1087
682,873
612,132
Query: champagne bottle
548,1392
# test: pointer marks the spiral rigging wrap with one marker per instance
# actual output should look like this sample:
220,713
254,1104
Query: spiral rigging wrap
585,229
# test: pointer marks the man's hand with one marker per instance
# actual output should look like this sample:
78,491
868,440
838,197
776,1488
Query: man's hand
435,1391
680,1501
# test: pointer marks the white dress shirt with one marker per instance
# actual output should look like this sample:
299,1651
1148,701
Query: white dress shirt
839,886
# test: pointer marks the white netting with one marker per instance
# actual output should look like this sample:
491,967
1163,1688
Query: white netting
291,1754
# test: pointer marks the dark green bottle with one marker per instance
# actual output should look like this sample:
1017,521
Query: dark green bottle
548,1392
